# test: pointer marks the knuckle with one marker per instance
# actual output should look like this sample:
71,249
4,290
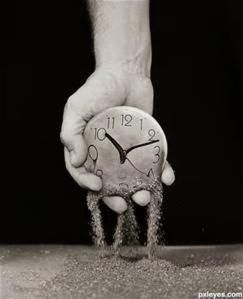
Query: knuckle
62,136
73,102
65,137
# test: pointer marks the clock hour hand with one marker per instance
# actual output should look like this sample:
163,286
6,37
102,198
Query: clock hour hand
140,145
118,147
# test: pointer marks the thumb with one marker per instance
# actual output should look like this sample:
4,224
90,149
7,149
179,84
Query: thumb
97,94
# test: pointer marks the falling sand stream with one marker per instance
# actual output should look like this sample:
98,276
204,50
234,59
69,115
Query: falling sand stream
127,226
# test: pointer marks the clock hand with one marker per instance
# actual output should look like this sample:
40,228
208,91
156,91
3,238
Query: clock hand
118,147
135,166
140,145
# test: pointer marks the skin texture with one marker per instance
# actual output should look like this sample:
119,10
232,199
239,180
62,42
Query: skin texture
122,46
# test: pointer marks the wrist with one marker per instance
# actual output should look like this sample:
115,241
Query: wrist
132,61
122,37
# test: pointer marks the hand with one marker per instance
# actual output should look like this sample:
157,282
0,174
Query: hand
105,88
122,47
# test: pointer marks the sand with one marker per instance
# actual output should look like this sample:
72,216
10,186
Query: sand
79,272
127,230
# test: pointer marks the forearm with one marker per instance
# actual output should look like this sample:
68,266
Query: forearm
122,34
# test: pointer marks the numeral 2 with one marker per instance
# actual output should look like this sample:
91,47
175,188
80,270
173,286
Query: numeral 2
151,134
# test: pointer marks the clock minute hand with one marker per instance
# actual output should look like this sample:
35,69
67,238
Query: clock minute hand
140,145
118,147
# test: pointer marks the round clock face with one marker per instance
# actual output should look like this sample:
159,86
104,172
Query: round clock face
125,145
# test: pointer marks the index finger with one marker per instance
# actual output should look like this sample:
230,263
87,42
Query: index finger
84,178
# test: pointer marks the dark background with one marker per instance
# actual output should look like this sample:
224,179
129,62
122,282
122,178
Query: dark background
47,54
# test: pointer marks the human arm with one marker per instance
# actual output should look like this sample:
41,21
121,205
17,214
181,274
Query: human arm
122,46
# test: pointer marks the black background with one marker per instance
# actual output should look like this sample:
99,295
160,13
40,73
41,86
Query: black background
47,54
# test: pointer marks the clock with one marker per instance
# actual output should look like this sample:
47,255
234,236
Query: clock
126,147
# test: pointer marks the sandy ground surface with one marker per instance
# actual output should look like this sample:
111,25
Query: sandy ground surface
79,272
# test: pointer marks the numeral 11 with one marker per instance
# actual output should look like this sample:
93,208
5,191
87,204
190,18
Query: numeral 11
110,122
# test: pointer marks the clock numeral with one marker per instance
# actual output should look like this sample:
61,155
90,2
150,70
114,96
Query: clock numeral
151,173
126,120
157,154
99,133
99,173
111,122
141,123
151,134
93,152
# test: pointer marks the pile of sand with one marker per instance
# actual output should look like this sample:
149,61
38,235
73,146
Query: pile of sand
133,276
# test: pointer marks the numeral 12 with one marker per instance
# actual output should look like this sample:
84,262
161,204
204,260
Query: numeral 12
126,120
